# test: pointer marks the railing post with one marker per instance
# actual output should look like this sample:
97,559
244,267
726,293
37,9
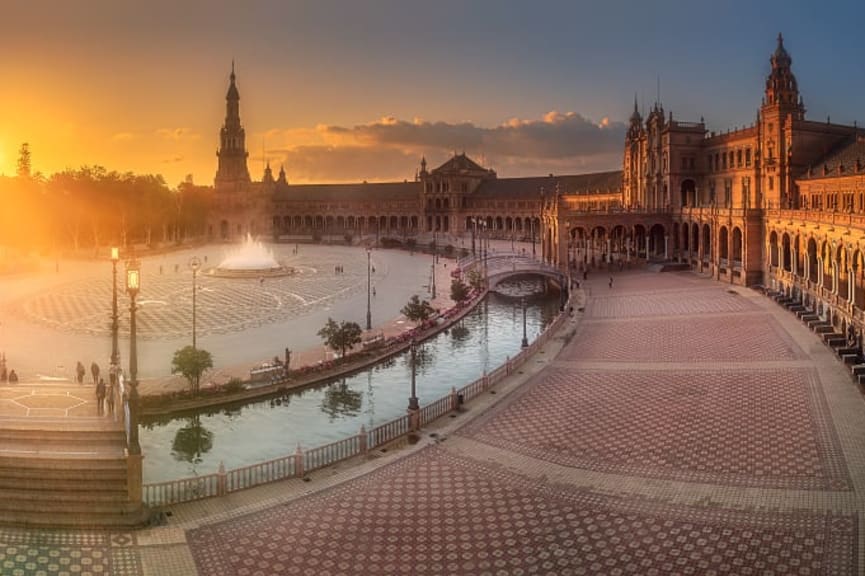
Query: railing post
486,380
508,364
454,399
221,480
298,461
362,440
133,477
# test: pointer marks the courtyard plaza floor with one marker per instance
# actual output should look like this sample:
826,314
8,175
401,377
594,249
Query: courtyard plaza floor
679,426
242,322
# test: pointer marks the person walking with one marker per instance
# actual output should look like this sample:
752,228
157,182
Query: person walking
79,372
94,371
13,377
100,397
611,281
109,396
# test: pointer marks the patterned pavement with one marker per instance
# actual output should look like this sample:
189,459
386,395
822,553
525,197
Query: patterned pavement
223,305
727,442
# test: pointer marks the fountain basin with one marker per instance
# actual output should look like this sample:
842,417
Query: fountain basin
250,260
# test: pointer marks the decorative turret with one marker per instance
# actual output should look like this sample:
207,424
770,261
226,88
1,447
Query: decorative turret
232,154
423,172
636,126
268,174
282,179
781,86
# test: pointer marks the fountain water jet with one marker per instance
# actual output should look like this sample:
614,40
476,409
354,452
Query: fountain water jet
250,259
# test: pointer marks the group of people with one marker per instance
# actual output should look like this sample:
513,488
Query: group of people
10,377
104,392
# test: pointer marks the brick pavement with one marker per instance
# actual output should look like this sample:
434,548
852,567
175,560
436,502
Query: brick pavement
725,461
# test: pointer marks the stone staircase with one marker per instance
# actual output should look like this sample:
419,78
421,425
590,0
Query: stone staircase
65,473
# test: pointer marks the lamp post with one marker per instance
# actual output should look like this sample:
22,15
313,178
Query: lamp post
133,285
474,228
115,354
525,343
368,289
195,266
433,281
412,400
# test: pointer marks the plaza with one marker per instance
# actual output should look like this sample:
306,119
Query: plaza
726,459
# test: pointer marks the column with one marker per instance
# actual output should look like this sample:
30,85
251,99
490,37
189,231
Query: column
666,246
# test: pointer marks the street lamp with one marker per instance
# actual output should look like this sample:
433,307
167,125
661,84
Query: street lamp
412,400
115,354
525,343
368,289
195,266
133,285
433,281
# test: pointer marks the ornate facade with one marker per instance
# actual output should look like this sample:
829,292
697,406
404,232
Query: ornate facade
779,202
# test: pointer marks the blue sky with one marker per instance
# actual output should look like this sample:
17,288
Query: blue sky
355,90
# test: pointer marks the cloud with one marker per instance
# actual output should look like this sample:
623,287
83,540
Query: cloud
390,148
123,136
177,134
173,160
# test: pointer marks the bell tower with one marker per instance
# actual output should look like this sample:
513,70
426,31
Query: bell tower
782,105
232,170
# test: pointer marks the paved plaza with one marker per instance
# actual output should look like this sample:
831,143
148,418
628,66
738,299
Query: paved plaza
679,426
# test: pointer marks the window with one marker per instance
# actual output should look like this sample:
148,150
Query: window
728,191
739,158
724,161
771,182
692,162
747,157
684,163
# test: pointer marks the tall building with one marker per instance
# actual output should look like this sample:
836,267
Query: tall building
780,201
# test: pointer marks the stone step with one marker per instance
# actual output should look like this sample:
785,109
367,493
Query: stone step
807,316
858,369
846,350
849,359
823,328
834,340
100,495
134,516
70,485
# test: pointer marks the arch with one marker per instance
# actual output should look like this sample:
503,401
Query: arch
382,222
350,222
813,263
372,223
640,240
518,224
403,222
841,271
675,237
723,243
319,221
438,204
773,249
328,223
858,269
340,222
489,222
499,224
737,246
414,222
223,229
509,224
707,242
786,253
657,234
394,221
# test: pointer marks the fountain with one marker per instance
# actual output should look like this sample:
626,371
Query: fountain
250,259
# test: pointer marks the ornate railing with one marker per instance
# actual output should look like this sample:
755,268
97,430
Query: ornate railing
301,462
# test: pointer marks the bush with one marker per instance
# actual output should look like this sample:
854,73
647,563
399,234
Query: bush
233,385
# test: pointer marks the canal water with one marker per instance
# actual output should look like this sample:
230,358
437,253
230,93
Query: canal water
189,445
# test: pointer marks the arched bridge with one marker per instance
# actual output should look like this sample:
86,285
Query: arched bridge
500,266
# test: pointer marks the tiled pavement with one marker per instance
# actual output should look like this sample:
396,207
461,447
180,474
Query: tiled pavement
729,459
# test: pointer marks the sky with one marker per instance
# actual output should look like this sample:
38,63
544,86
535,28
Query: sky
357,90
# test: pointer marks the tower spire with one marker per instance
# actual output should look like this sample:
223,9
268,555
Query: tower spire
232,152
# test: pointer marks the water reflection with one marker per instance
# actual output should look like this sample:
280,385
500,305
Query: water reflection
177,447
339,399
192,441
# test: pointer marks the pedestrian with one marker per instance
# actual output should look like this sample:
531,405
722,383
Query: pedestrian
109,397
13,377
373,291
79,372
100,397
586,274
94,371
611,281
3,375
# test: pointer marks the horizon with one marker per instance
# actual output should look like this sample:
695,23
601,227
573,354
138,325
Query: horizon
516,90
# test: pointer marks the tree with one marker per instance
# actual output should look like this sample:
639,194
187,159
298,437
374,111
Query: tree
340,337
417,310
192,363
459,291
476,279
24,167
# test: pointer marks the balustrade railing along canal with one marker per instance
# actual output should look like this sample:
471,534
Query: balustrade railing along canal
300,463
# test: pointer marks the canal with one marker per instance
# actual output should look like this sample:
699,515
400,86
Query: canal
194,444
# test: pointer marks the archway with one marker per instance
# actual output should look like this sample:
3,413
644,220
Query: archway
223,229
657,234
813,265
786,256
707,243
737,246
723,244
841,270
773,249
